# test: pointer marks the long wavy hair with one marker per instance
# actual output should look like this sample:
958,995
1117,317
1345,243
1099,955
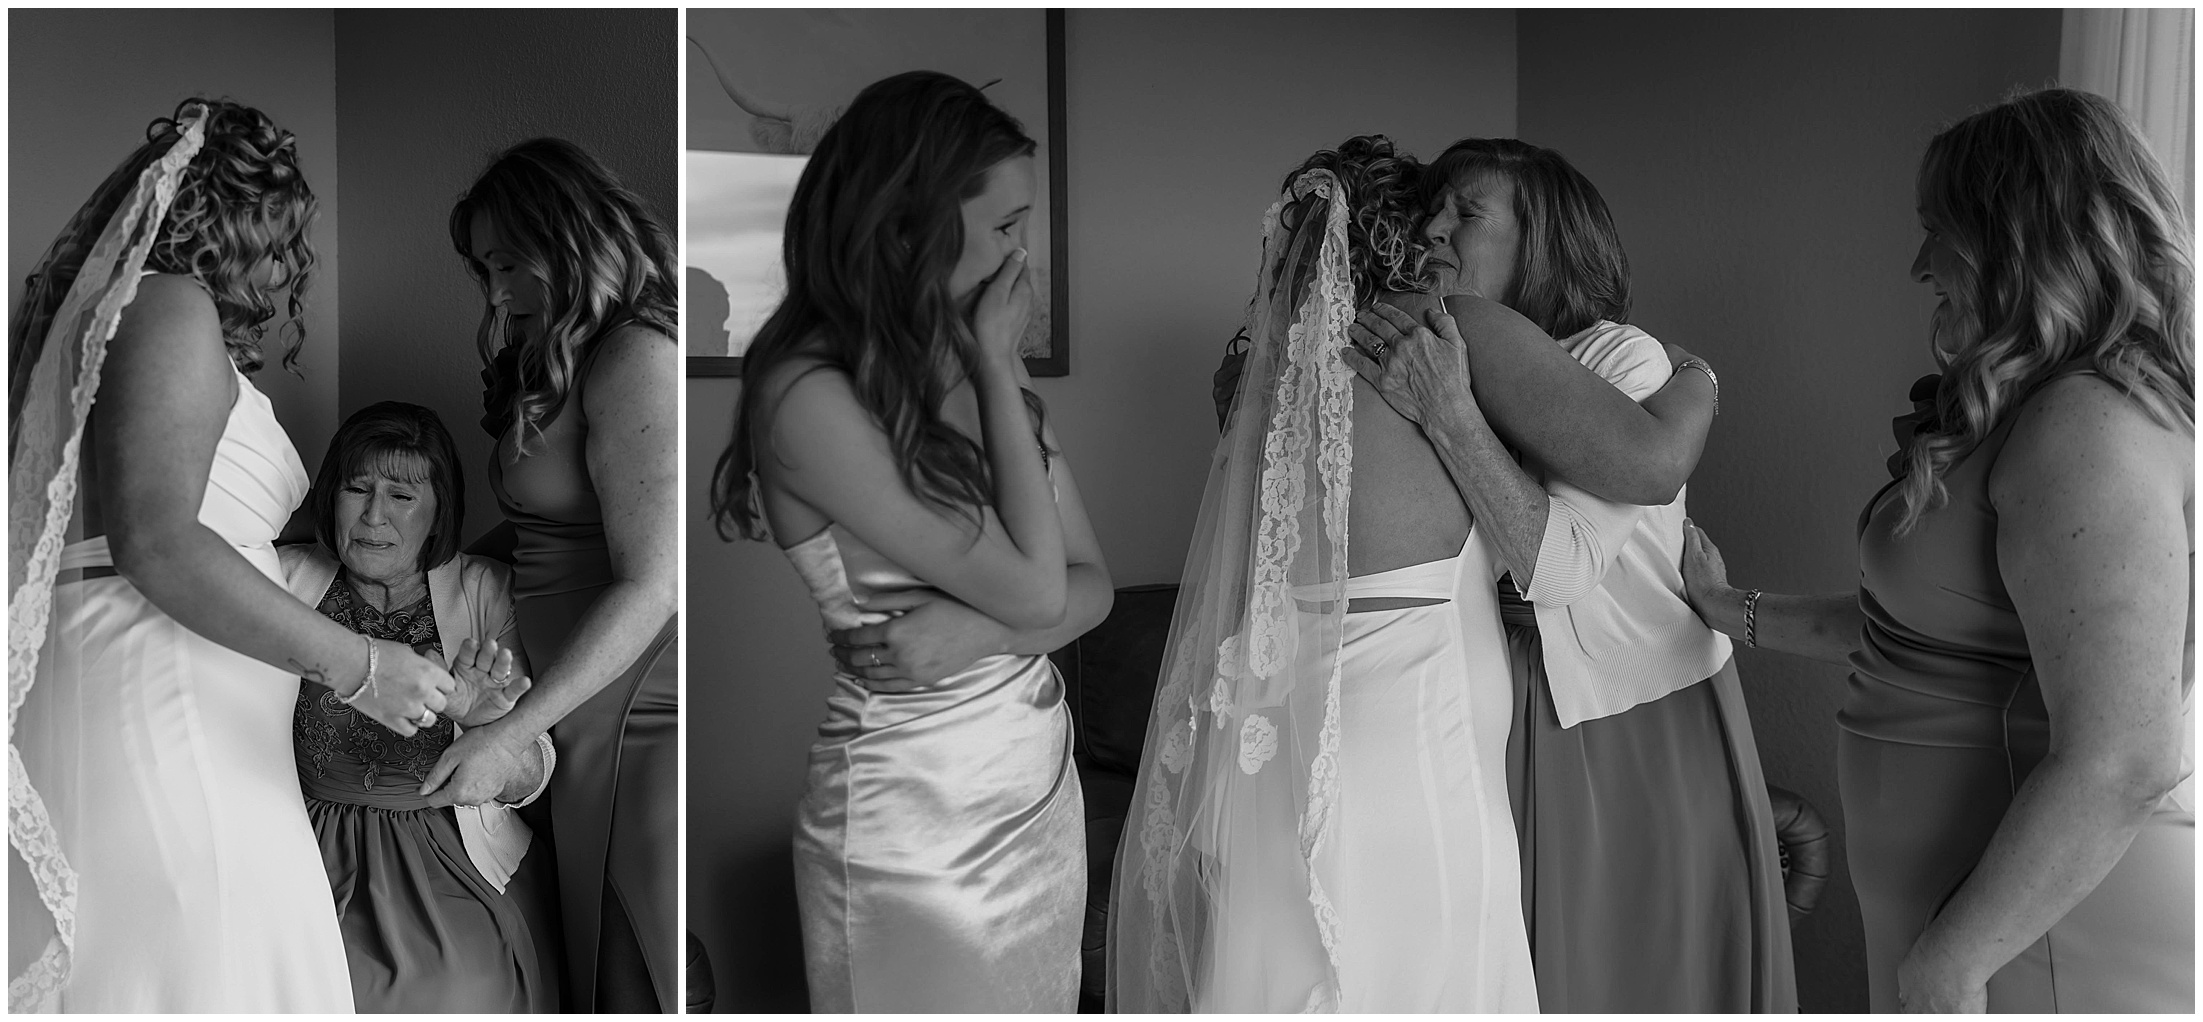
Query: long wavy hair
2073,249
241,203
602,260
873,232
1570,269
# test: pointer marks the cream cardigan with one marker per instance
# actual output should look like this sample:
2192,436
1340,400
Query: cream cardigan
472,599
1608,589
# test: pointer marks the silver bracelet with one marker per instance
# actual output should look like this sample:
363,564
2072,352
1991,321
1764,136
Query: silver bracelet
367,688
1700,365
550,763
1751,618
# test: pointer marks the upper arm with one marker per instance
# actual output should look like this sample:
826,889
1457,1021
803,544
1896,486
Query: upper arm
1604,442
1576,557
819,444
1079,544
2094,547
632,450
164,398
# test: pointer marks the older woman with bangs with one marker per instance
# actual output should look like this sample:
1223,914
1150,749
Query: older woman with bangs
578,280
2016,746
426,896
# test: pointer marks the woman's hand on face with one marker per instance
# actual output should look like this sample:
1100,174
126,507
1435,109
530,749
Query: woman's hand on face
407,687
1421,369
485,675
1705,575
931,637
481,765
1005,306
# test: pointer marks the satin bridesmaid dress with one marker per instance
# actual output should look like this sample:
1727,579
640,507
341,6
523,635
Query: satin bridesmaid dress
614,807
1942,722
940,846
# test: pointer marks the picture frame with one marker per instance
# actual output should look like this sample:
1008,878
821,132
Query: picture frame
746,143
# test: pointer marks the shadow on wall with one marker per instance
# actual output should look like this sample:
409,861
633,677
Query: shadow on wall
704,312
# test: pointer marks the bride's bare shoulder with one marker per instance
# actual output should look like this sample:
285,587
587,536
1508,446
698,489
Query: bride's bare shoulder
170,302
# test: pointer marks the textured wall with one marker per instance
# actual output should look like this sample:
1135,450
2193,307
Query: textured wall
425,98
82,86
1760,168
1182,125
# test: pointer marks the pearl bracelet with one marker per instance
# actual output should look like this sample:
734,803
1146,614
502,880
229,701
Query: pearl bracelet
367,688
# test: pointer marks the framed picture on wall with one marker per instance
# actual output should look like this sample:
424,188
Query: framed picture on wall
764,85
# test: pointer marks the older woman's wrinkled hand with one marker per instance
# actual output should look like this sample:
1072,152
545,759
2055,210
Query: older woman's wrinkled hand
488,680
1420,368
484,764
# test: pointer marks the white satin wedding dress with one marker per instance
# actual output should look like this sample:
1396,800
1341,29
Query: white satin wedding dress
165,761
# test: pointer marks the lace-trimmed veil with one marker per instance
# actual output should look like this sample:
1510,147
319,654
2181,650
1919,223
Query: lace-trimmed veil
1219,897
46,437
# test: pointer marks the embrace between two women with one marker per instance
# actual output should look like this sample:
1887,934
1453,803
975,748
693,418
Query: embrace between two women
1448,718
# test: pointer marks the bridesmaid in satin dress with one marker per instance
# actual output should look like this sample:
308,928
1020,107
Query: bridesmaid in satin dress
582,379
890,442
2016,743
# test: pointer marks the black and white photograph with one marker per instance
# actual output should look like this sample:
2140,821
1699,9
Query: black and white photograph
294,724
1547,511
763,87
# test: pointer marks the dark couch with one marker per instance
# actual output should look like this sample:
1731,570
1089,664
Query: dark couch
1109,680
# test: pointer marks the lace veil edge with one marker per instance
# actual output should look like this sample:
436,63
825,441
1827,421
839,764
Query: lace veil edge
42,485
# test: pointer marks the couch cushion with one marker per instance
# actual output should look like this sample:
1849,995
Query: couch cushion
1110,673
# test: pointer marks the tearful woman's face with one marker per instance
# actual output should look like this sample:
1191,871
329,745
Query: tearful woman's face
994,225
384,517
505,275
1475,238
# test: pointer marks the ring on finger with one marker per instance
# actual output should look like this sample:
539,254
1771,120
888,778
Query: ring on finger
427,719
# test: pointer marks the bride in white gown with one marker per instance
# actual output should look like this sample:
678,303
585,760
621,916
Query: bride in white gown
1321,818
163,858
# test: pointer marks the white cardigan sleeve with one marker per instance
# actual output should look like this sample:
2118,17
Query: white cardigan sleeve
1584,533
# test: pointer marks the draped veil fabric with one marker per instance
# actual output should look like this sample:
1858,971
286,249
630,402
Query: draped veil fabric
1219,905
47,436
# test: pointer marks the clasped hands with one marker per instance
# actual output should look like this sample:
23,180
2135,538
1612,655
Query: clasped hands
484,763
